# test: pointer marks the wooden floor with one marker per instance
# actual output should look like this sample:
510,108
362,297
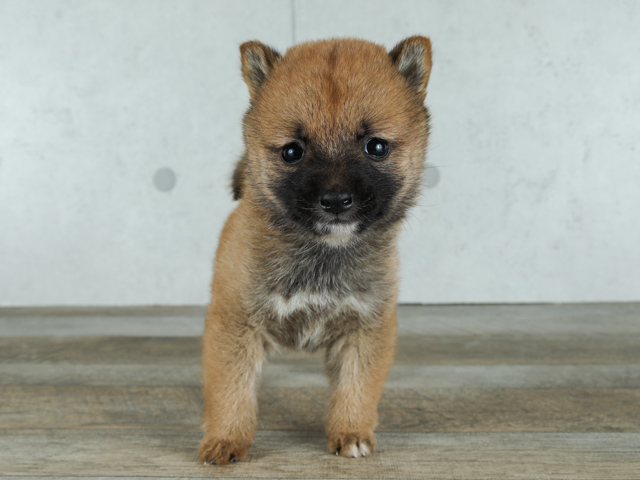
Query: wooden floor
477,392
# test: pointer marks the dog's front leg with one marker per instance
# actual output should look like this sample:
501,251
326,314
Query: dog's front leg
357,365
233,355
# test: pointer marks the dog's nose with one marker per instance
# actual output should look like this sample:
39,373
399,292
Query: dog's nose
333,202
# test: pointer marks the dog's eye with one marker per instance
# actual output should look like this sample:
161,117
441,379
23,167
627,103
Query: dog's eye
292,152
377,148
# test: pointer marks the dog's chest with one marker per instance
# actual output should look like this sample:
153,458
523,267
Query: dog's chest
306,300
310,319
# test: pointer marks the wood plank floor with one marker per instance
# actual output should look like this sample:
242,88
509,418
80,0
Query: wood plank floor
477,392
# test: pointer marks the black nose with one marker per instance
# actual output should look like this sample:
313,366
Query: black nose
336,202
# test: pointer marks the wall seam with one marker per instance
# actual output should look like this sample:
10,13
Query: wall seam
293,22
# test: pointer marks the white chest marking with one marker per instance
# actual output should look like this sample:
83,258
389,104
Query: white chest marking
331,304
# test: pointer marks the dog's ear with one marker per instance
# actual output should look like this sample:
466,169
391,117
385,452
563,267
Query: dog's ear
257,62
412,58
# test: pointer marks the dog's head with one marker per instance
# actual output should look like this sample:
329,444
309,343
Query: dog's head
336,133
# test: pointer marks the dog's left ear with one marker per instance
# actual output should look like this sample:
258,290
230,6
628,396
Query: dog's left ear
257,62
412,58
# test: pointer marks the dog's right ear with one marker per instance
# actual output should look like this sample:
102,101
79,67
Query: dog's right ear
257,62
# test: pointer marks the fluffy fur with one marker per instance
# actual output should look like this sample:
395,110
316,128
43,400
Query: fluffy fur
291,270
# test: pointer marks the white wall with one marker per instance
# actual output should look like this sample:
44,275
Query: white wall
536,139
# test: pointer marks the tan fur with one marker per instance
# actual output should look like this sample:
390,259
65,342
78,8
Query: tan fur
276,282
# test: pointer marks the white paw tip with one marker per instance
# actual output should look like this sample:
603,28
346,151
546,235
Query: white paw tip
352,451
364,450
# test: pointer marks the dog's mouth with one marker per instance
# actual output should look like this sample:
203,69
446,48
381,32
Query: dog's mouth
336,233
332,216
337,228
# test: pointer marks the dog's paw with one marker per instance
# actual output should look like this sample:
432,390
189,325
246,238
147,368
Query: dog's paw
221,452
352,445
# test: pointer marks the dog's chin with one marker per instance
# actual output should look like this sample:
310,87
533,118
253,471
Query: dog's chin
336,234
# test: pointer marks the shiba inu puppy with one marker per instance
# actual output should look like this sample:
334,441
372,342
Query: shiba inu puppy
336,136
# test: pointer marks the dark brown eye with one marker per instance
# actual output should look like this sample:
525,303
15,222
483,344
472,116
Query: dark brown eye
292,152
377,148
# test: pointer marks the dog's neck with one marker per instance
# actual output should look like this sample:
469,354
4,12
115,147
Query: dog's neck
291,263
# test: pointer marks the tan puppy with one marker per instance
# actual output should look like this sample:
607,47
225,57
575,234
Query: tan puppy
335,136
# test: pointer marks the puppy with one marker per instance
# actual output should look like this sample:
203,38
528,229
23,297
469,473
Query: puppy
336,136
